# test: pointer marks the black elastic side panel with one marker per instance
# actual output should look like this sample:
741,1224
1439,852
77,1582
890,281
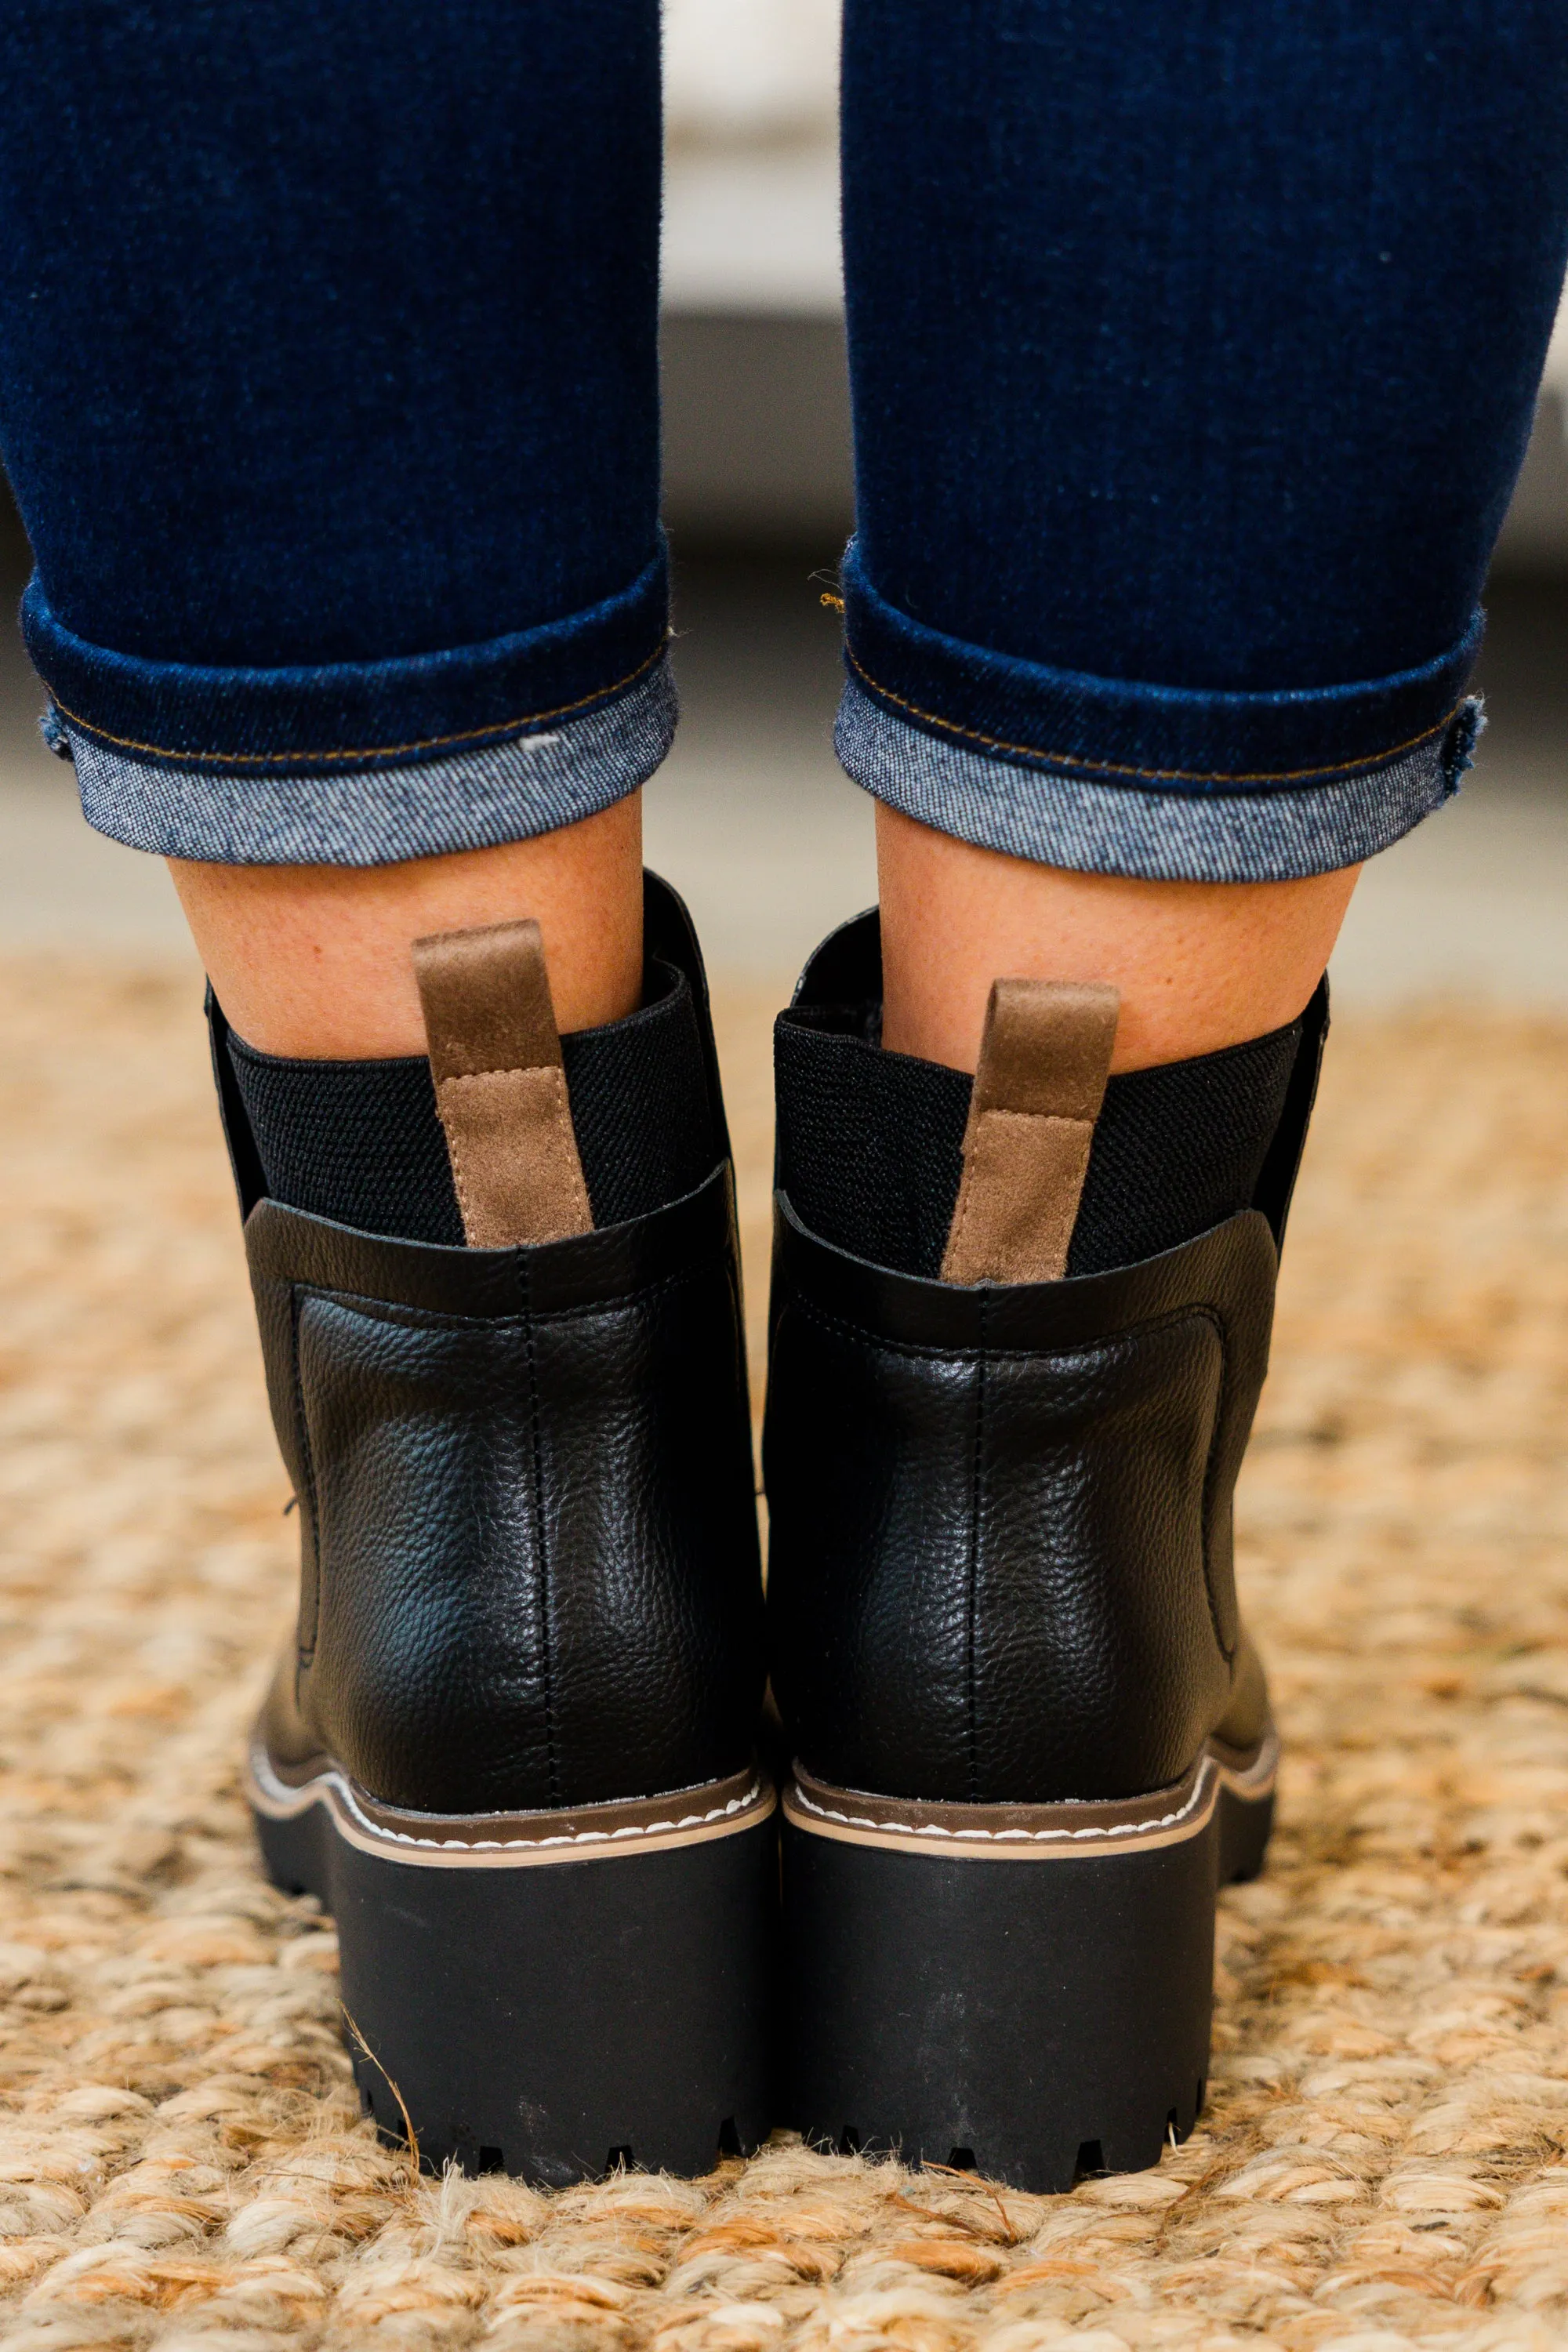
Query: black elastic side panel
355,1141
640,1103
245,1164
871,1143
1276,1182
359,1142
1180,1148
670,936
846,968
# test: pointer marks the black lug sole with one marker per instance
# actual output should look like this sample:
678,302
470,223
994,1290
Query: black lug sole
1031,2000
544,2008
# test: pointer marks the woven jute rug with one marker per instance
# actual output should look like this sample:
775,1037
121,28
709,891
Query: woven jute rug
1385,2160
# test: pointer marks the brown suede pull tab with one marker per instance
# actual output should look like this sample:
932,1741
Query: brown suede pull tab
500,1089
1043,1061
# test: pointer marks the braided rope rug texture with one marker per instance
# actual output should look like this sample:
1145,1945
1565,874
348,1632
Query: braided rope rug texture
1384,2158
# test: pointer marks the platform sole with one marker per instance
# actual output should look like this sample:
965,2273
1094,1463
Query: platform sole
550,1995
1023,1991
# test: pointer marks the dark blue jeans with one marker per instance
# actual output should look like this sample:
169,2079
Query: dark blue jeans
1193,353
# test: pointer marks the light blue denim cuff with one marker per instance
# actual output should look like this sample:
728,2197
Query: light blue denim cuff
378,816
1094,825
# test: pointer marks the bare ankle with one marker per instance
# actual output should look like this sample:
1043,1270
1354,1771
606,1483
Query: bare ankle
313,961
1199,965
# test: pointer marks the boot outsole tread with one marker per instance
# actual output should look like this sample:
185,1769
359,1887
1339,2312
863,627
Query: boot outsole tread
556,2022
1037,2023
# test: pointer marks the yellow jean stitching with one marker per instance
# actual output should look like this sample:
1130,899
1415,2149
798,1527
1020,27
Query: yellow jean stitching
1146,775
377,752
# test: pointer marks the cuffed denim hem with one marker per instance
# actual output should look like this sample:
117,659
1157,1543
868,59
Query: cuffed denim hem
342,715
471,800
1100,826
1120,732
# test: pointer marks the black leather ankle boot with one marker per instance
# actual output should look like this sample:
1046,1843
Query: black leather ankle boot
1030,1734
513,1746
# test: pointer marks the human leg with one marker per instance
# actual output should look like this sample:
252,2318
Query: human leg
327,384
1198,965
1192,362
1179,467
315,960
327,390
1190,457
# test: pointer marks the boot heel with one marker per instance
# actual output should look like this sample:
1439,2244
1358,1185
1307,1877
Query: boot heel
554,1994
1022,1990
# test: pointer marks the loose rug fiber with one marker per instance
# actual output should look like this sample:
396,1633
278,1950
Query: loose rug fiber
1384,2161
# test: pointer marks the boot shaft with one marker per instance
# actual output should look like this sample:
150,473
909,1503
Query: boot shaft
529,1562
1001,1514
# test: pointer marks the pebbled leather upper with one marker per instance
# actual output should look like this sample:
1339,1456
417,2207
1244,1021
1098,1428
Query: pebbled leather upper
1001,1548
530,1573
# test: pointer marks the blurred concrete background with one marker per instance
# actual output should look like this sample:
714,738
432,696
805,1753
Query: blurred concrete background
751,816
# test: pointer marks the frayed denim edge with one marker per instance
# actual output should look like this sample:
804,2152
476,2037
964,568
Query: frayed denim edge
1091,826
506,792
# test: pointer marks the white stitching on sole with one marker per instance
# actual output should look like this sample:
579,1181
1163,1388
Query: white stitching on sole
1209,1771
334,1785
1003,1837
